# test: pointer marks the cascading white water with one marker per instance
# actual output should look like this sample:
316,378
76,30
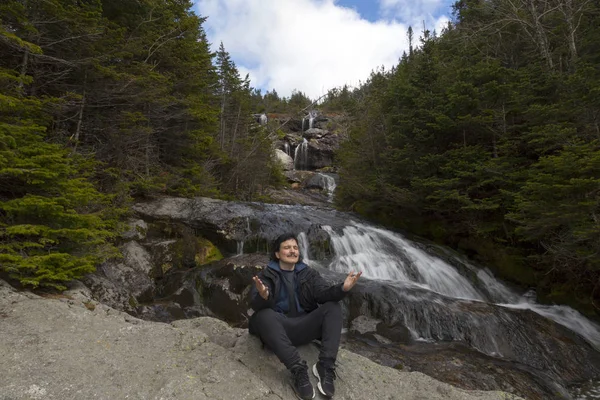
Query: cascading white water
381,254
263,119
301,155
240,243
312,115
384,255
327,182
286,148
303,245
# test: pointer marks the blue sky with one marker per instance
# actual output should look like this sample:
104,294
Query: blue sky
376,10
368,10
315,45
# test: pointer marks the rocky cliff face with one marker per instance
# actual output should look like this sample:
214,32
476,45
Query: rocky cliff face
309,147
72,347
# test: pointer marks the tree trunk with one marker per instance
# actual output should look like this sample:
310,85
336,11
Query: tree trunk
540,34
80,116
24,67
222,125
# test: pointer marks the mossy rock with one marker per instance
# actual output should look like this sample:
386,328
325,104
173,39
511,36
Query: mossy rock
206,252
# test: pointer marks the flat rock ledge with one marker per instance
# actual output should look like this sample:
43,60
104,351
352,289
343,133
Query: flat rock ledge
70,347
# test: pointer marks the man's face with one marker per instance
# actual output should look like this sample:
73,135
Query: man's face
288,252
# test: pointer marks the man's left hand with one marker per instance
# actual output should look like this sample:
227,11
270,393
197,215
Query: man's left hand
351,280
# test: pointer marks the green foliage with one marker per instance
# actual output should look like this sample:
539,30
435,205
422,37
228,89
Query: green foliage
52,222
486,138
103,101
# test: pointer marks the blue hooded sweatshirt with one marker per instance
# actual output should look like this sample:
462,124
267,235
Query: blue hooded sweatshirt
281,301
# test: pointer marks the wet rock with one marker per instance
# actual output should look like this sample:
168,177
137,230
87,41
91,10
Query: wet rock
324,121
293,139
315,133
458,365
322,181
222,287
321,153
515,335
376,312
227,223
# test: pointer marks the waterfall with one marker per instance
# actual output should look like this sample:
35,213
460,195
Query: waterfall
247,232
312,115
381,254
301,156
263,119
384,255
303,245
302,128
327,183
286,148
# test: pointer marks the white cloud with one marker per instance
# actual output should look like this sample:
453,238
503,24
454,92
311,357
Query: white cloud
415,13
309,45
408,9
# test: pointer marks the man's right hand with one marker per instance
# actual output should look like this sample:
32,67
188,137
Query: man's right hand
263,290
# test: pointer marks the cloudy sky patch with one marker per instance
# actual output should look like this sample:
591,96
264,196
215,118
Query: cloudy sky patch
314,45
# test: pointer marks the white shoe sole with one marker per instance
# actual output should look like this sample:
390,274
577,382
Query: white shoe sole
316,374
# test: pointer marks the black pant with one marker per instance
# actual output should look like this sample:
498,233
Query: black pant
281,334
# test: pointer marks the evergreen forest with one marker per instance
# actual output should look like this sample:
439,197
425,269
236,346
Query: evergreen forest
484,137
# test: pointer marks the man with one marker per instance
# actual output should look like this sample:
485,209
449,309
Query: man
294,305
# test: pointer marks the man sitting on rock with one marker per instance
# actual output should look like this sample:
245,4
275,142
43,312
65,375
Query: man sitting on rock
294,305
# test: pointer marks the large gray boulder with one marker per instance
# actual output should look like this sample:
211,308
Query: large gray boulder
124,282
226,223
73,348
286,162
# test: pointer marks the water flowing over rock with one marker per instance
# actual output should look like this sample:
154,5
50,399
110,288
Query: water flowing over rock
316,154
301,156
309,120
325,182
309,142
420,295
260,119
377,312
